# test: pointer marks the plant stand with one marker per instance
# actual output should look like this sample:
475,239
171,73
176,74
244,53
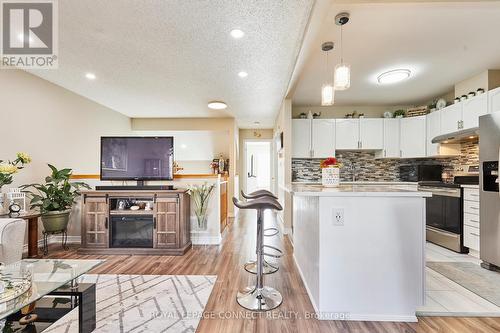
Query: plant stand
46,235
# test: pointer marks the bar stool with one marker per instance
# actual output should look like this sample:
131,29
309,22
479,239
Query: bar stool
251,266
260,297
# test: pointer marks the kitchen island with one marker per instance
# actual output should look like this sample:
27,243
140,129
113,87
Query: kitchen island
360,250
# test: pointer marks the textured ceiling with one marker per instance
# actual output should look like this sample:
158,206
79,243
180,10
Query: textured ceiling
442,43
169,58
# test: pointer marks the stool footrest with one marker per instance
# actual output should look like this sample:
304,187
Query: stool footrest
274,232
271,254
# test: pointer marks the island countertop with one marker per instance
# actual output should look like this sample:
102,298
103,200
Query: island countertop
355,190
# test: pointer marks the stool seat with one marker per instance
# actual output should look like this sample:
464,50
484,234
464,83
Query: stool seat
261,204
258,194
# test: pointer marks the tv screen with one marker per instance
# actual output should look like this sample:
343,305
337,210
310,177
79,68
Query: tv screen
137,158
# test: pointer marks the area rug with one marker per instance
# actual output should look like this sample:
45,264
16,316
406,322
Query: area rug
473,277
144,303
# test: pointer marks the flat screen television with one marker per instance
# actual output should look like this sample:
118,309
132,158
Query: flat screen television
137,158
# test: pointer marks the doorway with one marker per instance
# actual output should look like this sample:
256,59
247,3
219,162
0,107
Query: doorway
257,165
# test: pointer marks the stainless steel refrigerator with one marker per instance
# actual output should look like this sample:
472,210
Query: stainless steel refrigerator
489,154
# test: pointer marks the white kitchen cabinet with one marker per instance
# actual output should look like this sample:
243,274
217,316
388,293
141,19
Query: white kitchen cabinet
433,122
347,134
371,133
471,220
391,138
474,108
451,118
494,100
323,138
413,137
301,138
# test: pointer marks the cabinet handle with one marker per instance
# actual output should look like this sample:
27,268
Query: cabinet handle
400,153
474,221
361,144
385,153
154,222
106,224
475,208
474,234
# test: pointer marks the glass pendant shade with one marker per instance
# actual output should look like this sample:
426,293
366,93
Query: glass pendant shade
342,76
327,94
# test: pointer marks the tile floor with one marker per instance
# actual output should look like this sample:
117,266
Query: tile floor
445,297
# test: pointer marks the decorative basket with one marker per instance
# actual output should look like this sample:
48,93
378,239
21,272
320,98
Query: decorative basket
330,176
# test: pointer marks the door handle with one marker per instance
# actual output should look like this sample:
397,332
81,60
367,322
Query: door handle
154,222
106,223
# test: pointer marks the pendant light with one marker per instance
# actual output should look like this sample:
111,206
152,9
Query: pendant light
342,70
327,91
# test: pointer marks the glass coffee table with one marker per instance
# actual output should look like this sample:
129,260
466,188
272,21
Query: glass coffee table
49,277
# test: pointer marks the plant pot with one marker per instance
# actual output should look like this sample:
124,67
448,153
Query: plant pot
330,176
55,221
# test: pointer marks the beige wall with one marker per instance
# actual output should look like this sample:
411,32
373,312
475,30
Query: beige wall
54,126
488,79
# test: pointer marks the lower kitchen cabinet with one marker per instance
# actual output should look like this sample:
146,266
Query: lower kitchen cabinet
413,137
471,220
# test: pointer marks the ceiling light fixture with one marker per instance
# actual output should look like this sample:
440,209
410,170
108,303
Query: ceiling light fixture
327,91
342,71
237,33
90,76
217,105
394,76
243,74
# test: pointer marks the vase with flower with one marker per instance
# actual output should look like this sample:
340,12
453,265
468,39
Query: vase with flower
330,172
7,170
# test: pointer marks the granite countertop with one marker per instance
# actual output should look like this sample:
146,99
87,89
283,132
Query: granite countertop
350,190
361,183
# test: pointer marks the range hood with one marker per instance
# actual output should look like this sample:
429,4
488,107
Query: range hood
458,137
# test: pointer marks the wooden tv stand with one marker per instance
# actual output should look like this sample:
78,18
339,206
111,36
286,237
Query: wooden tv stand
164,229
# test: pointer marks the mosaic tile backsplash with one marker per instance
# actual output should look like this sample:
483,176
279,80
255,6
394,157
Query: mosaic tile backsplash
368,168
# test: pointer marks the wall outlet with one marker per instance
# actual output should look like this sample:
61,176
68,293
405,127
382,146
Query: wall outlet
338,216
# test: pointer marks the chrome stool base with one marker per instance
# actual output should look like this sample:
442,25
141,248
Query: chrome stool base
251,267
264,299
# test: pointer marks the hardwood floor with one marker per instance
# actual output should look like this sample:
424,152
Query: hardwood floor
223,314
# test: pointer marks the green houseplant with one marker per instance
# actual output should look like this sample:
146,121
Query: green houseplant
200,195
55,198
399,113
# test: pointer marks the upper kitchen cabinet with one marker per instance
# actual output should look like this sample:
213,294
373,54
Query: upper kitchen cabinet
474,108
451,118
347,134
371,133
494,100
301,138
323,138
391,138
434,129
413,137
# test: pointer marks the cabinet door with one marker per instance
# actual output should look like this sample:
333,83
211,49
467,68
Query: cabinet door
391,138
433,129
166,223
413,137
95,224
494,100
473,109
301,138
323,137
371,133
347,134
451,118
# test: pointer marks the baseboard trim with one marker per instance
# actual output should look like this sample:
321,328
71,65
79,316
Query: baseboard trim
305,285
200,239
55,239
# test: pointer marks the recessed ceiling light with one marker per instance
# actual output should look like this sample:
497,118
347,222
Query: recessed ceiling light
217,105
90,76
237,33
394,76
243,74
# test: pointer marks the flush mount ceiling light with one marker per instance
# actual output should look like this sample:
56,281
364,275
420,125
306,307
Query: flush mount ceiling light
243,74
394,76
217,105
237,33
90,76
342,76
327,91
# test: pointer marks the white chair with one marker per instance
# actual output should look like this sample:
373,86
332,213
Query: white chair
12,233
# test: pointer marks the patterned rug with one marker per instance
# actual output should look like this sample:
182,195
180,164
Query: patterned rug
144,303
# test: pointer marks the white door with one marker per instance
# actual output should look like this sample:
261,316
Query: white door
473,109
391,138
257,165
371,133
433,130
451,118
347,133
323,138
301,138
494,100
413,137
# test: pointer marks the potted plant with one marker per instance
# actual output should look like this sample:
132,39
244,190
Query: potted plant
55,198
8,169
399,113
200,195
330,172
